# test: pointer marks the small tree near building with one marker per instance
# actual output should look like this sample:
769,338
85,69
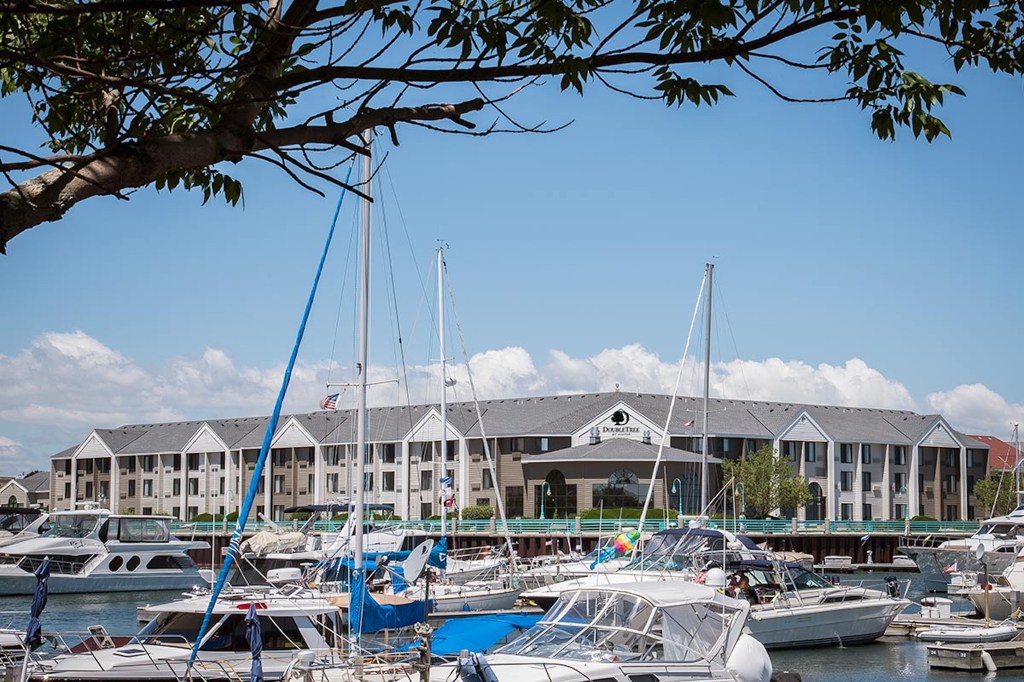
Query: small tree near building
995,498
768,482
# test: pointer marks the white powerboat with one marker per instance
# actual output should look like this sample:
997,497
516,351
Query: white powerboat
625,633
93,550
789,605
291,619
1001,536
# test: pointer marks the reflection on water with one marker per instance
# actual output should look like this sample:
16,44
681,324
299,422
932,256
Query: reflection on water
887,659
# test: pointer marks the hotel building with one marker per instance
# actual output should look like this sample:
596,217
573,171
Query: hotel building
556,455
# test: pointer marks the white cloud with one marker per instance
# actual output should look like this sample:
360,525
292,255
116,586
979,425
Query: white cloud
977,409
65,384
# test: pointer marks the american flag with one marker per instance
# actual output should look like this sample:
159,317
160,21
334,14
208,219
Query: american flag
330,402
689,423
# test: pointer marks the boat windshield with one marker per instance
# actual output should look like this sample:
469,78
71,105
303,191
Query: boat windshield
999,530
609,626
228,633
72,525
682,553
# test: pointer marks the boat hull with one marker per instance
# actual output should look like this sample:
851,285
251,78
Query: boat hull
932,562
856,622
25,583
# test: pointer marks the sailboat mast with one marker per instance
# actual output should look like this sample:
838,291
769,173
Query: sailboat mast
364,323
1016,463
707,388
444,389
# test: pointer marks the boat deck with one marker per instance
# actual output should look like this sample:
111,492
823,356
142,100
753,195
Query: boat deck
1004,655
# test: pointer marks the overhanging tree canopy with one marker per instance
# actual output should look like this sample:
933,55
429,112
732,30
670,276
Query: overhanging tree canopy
130,93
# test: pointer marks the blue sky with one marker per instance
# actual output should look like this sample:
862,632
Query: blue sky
849,270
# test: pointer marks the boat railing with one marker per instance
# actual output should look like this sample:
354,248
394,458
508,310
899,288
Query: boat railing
576,525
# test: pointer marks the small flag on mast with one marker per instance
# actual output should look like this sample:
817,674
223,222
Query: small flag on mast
330,402
950,569
689,423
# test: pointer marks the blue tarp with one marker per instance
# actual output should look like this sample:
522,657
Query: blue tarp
366,615
478,633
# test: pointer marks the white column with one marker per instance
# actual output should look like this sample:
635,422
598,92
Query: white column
404,487
914,494
463,457
228,483
963,483
318,474
268,483
74,483
858,485
115,487
831,496
801,512
887,483
183,475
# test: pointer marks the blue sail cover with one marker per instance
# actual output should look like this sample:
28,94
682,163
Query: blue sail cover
477,633
365,615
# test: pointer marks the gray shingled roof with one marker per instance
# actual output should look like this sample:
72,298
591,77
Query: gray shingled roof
36,482
546,416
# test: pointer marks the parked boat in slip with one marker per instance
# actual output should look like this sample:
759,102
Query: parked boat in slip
93,550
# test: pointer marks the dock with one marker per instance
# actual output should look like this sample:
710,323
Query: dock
1004,655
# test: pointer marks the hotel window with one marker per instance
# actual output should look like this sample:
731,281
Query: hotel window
131,488
176,464
332,483
544,445
194,458
147,488
103,466
951,512
865,481
900,512
514,500
176,512
970,459
867,512
846,512
846,481
104,489
67,467
176,487
424,451
310,483
148,463
426,480
278,484
279,457
845,453
221,485
193,512
513,445
369,481
789,450
278,512
131,465
387,481
970,486
899,483
87,466
218,459
483,501
949,457
67,490
193,486
88,490
899,455
951,483
487,481
865,454
387,453
809,453
334,456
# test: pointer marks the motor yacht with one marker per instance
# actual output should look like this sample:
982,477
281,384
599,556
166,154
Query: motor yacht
789,605
1001,536
93,550
624,633
291,619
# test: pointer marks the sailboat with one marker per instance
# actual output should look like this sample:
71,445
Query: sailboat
482,584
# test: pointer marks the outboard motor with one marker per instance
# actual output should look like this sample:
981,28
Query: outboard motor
892,586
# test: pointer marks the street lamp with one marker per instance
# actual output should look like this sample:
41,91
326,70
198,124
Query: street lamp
677,488
547,487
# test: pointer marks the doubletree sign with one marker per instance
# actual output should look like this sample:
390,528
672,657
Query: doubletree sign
618,425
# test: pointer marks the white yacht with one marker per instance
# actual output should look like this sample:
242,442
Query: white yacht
624,633
13,520
93,550
789,605
291,619
1001,536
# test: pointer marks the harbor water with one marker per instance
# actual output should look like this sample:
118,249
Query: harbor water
894,658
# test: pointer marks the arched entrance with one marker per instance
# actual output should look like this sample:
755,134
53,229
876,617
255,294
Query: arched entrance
815,509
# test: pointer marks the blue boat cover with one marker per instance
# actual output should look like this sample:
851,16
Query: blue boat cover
366,615
478,633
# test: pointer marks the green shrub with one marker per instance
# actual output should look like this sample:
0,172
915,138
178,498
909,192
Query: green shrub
206,518
477,512
627,513
924,518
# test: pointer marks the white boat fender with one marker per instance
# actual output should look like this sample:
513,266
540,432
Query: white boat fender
749,661
986,659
